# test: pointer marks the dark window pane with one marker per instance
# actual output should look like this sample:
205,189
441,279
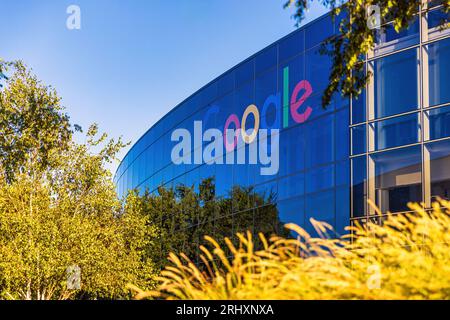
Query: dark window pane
266,59
439,165
359,108
342,134
396,83
359,139
398,178
439,122
292,211
342,210
292,45
319,141
292,159
318,31
397,131
291,186
439,72
406,37
359,180
343,173
319,206
245,72
320,179
317,70
436,18
225,84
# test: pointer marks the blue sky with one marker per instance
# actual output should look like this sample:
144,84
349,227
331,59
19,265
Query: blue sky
134,60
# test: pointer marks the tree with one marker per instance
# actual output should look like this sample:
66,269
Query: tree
356,39
58,206
184,216
32,123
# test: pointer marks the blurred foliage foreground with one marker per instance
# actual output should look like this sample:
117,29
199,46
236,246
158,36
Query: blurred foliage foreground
405,258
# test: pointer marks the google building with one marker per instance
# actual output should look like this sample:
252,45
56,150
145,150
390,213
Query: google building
260,126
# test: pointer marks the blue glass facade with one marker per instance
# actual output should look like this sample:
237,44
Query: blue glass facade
388,145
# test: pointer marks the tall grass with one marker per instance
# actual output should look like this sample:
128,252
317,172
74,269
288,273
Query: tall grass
407,257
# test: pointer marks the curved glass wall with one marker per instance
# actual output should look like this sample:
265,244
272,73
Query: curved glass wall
305,161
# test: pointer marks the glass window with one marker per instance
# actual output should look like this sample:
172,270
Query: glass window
342,134
397,131
395,83
292,45
319,206
245,72
398,177
436,18
439,119
292,211
244,96
320,179
266,59
406,37
359,108
318,31
224,180
319,141
439,72
225,84
291,186
265,194
358,139
342,210
266,86
359,181
317,70
292,150
439,167
343,173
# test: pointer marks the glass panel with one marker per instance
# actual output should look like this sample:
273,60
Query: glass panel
319,141
342,210
397,131
439,165
359,139
292,45
319,206
359,181
266,59
343,173
225,84
395,83
398,175
439,122
437,18
291,186
406,37
320,179
439,72
317,70
245,72
292,150
359,108
342,134
292,211
318,31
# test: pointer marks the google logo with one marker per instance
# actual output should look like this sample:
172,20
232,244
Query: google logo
291,105
190,149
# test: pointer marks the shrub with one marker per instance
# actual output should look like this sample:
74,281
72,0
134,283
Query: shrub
407,257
